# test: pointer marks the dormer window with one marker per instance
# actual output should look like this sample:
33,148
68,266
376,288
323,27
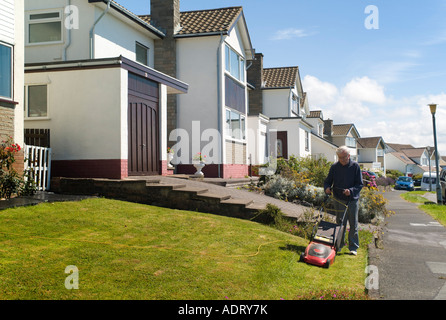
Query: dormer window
44,27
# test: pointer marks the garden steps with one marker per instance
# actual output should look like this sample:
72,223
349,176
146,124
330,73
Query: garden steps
154,191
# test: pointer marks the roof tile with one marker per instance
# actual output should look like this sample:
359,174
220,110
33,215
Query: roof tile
284,77
205,21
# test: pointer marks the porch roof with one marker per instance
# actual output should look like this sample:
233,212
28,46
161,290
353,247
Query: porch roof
174,86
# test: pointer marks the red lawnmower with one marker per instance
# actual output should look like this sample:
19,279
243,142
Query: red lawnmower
325,241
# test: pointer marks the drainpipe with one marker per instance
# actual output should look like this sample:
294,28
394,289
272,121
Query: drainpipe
64,57
94,26
219,103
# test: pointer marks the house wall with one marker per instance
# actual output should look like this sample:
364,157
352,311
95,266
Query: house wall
296,135
114,35
11,109
200,71
276,102
320,148
84,126
257,136
201,63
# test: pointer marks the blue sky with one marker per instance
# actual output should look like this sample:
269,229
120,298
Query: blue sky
379,79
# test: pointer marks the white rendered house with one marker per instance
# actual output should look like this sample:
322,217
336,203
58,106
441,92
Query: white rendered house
89,79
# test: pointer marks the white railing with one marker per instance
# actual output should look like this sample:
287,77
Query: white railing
38,161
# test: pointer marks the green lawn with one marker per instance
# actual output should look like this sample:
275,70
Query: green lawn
438,212
131,251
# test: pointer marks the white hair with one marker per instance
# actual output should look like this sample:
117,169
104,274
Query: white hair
343,149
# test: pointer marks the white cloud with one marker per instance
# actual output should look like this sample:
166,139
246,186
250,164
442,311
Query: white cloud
290,33
364,90
362,101
324,92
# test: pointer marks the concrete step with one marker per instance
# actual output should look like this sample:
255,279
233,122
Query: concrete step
192,190
212,196
164,186
237,201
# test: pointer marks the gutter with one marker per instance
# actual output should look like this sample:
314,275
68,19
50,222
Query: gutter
92,46
219,103
64,54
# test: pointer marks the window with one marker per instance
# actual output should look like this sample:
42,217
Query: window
142,54
5,71
295,104
44,27
37,101
350,142
234,64
307,141
235,125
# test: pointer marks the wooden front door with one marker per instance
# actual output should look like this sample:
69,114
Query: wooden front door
282,144
143,129
143,137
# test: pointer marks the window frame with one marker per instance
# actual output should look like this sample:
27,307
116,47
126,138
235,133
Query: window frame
26,104
11,83
241,125
139,44
30,21
241,64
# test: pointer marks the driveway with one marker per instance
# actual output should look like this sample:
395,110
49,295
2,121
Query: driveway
412,263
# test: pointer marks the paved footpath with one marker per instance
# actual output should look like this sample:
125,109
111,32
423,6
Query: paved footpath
412,261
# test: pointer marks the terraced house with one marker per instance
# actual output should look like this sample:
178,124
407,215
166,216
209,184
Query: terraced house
210,50
278,105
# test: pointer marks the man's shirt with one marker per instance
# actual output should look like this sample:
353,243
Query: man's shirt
344,177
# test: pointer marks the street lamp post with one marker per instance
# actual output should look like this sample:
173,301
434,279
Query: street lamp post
433,108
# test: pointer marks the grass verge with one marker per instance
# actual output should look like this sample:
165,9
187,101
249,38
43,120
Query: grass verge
438,212
125,250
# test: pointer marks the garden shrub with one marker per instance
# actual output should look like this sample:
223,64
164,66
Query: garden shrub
11,182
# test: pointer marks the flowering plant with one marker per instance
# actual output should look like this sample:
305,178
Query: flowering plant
7,151
169,150
199,157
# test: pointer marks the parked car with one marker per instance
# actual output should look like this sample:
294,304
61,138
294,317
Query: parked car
429,179
404,183
369,179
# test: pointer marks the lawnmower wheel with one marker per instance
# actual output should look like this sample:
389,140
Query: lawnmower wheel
302,256
327,264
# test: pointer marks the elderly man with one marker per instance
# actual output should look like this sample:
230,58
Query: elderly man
344,180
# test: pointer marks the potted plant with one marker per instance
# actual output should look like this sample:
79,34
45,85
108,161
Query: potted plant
169,157
199,163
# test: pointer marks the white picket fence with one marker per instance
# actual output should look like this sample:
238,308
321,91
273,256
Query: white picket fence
38,161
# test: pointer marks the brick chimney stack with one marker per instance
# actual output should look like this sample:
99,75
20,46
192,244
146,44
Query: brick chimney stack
255,77
328,129
165,15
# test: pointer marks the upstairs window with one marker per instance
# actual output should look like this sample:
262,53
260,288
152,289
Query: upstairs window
234,64
44,27
142,54
5,71
350,142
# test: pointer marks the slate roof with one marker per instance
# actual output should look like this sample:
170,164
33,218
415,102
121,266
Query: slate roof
283,77
201,22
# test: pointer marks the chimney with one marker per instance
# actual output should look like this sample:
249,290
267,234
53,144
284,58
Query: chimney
328,128
255,77
165,15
